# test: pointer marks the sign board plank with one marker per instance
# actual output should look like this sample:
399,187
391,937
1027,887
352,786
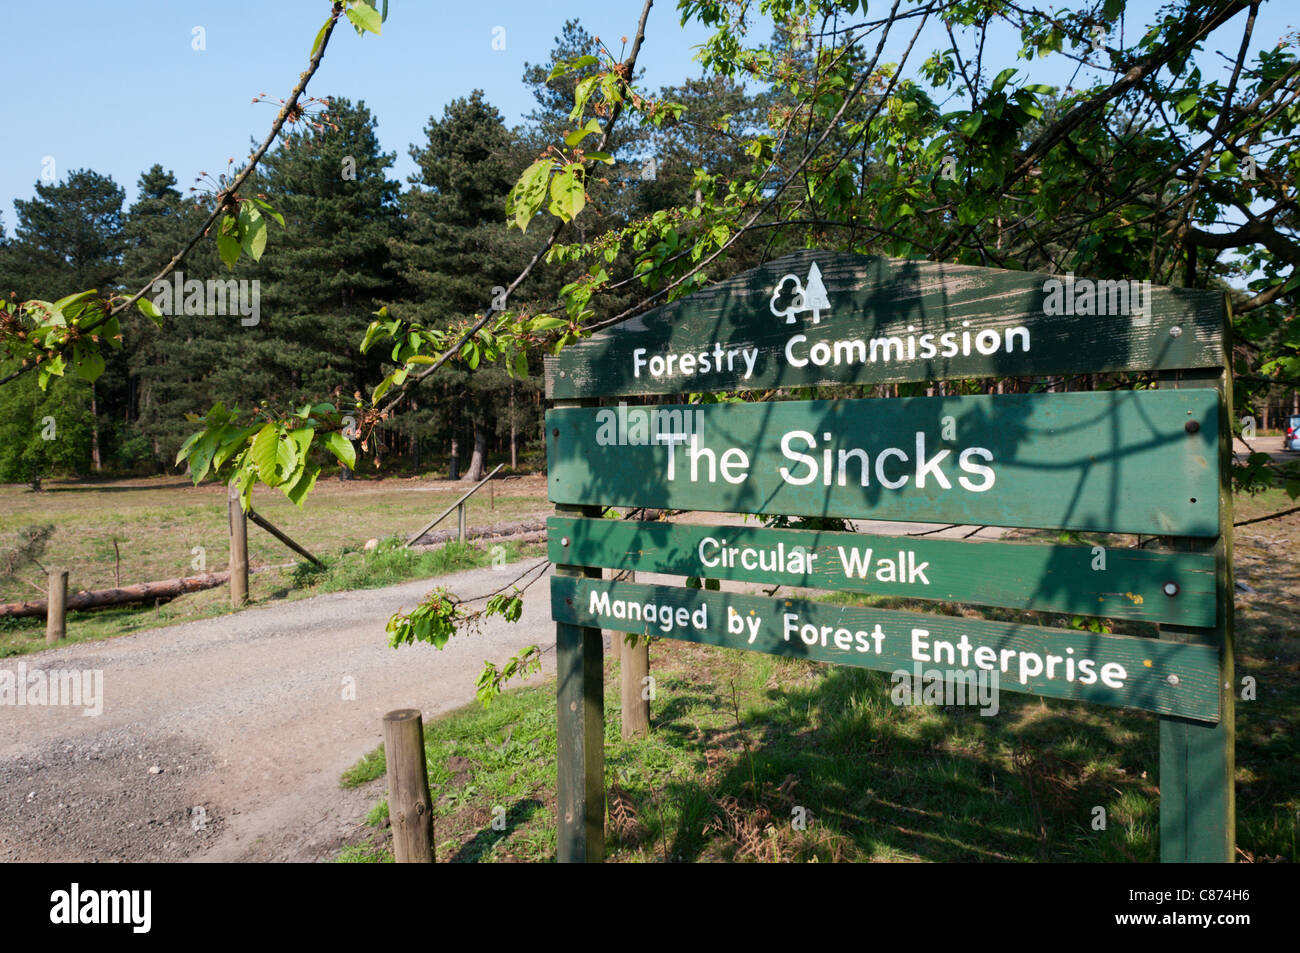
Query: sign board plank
1120,583
817,317
1122,671
1109,461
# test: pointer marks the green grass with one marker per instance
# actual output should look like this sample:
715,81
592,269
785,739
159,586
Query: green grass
878,782
387,564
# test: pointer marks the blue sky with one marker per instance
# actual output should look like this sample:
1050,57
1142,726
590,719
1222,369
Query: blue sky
118,86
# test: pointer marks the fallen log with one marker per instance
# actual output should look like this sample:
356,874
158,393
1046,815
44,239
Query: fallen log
122,595
501,531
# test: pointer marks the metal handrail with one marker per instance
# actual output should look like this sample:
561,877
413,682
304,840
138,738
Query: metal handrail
458,504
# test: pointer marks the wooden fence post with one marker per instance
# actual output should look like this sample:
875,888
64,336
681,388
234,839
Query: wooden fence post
460,519
56,608
410,809
238,548
635,670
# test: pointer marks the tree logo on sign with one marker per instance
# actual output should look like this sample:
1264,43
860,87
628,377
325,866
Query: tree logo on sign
791,296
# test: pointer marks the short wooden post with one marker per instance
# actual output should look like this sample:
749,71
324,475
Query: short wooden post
635,692
616,638
56,608
410,809
636,688
238,548
460,518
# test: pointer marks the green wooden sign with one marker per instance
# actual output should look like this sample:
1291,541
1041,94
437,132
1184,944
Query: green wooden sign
1144,584
819,318
1153,462
1111,461
1060,663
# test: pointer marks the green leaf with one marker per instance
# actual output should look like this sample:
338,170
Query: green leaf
364,16
201,456
320,37
253,229
567,194
342,449
87,362
266,207
51,368
190,441
303,485
265,453
228,247
581,93
373,333
294,460
150,311
528,194
381,389
590,129
67,306
231,440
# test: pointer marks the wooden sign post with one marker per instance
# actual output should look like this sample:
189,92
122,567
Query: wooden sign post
1153,462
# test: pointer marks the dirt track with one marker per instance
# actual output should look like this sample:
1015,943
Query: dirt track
224,739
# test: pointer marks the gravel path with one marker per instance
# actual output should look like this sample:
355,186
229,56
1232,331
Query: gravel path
224,739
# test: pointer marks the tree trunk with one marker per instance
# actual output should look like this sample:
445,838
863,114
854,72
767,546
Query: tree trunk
514,437
415,440
94,432
453,466
476,469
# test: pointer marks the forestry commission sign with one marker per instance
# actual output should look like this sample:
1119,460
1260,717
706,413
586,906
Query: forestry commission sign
871,320
1147,462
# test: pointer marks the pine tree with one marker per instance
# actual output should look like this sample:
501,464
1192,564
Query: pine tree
328,270
169,366
454,255
69,238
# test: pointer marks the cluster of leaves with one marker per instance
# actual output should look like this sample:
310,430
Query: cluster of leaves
493,680
284,453
243,231
508,340
435,620
61,334
442,614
